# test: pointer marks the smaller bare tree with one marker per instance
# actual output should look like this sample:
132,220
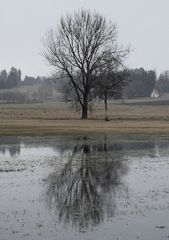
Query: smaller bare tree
110,78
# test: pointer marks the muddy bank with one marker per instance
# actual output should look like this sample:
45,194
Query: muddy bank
57,127
59,118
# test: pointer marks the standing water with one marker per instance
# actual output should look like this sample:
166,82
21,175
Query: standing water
84,187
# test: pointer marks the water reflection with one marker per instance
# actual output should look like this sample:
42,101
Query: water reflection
14,145
11,145
85,191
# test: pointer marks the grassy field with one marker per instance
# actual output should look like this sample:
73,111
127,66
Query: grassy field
54,118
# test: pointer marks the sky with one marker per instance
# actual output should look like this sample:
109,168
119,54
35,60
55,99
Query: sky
142,24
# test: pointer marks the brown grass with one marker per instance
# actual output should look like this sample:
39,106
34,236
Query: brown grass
53,118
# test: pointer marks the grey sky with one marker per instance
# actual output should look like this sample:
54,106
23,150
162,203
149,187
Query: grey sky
144,24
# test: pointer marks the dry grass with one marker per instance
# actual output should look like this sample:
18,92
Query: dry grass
53,118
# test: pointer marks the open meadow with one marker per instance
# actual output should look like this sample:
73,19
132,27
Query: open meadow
58,118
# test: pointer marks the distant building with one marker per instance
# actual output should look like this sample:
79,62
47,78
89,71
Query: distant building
155,94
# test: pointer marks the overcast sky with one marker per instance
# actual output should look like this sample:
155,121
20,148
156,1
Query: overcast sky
143,24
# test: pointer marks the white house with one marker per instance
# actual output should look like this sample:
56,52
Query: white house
155,94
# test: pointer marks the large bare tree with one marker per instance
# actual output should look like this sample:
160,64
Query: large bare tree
80,44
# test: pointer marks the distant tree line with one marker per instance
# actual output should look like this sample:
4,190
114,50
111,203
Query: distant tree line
31,89
136,83
162,85
11,79
29,80
140,83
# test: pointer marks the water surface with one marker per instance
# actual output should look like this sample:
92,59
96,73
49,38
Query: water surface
84,187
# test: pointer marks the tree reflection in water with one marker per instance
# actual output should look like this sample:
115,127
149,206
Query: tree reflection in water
11,145
85,191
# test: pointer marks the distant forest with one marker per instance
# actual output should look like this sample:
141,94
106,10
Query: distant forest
14,89
139,82
13,79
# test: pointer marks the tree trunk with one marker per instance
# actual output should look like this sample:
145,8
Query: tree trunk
84,111
85,106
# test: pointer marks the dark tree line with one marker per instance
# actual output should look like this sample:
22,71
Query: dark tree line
11,79
140,83
162,84
29,80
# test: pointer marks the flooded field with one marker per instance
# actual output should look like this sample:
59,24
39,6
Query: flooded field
84,188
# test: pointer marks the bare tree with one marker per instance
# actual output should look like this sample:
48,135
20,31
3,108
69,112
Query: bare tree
110,83
78,47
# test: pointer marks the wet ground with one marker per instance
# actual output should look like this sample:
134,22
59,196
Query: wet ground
84,187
